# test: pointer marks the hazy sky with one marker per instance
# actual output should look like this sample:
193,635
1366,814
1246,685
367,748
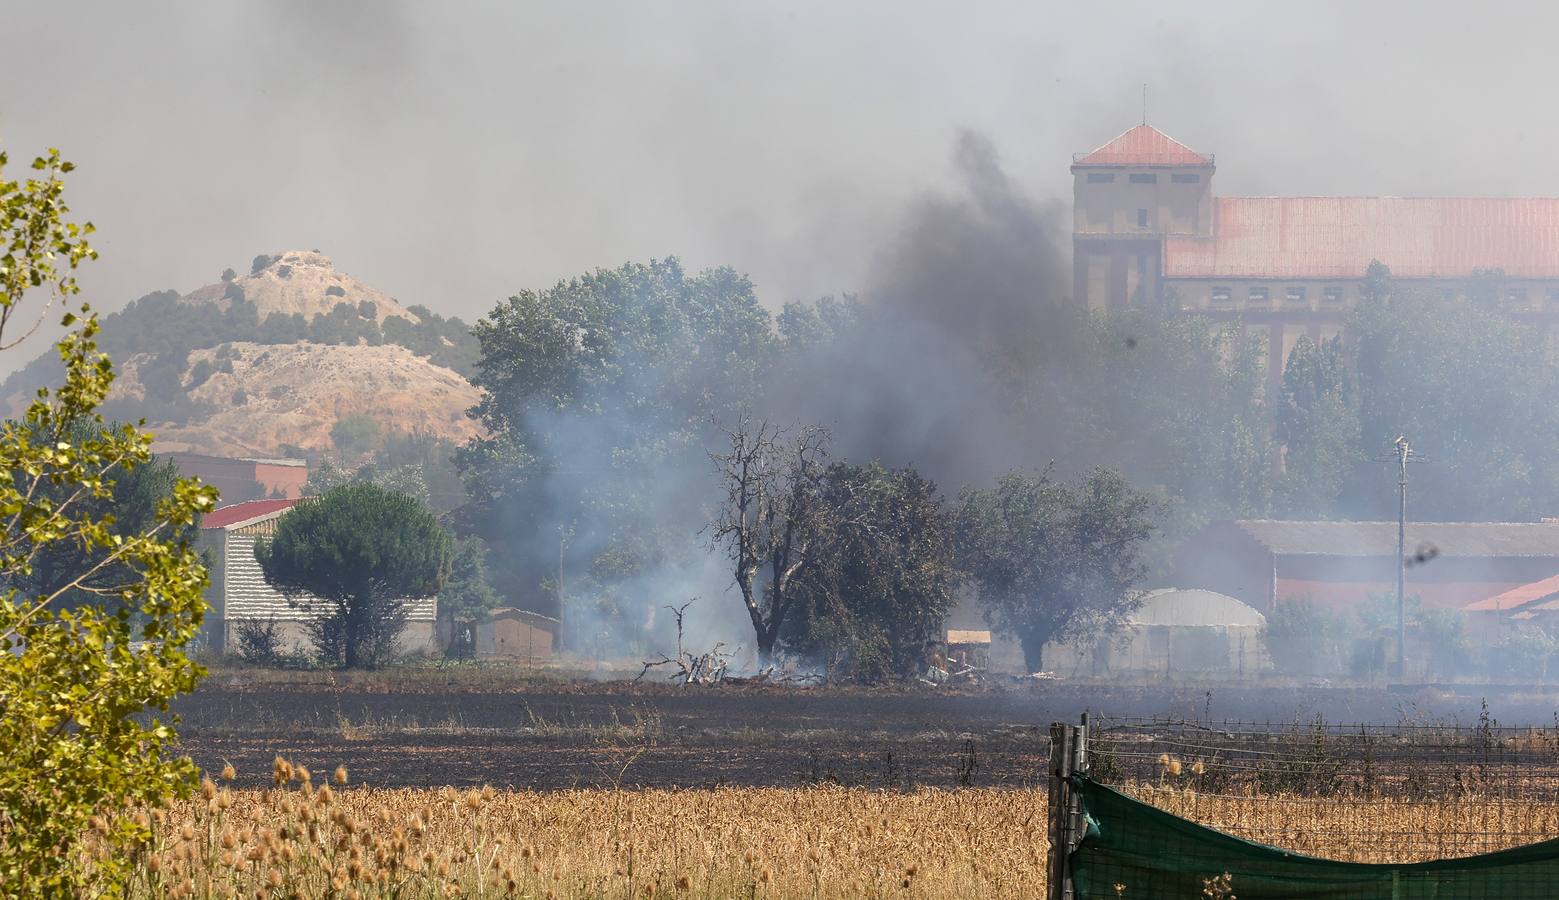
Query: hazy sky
453,153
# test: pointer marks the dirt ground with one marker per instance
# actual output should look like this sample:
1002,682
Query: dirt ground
423,733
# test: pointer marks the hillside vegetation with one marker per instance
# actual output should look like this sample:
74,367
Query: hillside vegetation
276,357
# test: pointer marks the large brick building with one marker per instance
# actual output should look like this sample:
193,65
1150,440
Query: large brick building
1147,229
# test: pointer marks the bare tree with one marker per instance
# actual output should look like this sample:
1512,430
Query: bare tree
772,518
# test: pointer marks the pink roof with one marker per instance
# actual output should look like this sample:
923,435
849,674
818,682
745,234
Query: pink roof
1143,145
1337,237
1517,597
224,516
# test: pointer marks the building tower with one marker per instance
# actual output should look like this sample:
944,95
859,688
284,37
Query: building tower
1127,196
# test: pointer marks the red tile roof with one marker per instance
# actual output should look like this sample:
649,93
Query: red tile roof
1143,145
1517,597
223,516
1337,237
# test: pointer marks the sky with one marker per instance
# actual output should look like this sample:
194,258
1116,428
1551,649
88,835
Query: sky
455,153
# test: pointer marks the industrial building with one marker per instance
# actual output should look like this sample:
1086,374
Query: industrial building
1148,230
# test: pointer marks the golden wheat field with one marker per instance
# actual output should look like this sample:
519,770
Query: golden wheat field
313,837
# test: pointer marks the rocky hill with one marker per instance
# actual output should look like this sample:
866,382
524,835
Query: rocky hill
274,359
298,281
282,394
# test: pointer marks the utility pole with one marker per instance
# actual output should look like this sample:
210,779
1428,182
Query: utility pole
1403,450
1402,454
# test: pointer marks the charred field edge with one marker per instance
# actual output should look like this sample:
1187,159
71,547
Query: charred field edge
466,727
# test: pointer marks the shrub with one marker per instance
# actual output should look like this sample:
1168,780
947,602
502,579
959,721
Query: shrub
259,263
1301,638
335,290
259,642
228,275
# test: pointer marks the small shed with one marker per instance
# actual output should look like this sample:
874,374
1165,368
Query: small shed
519,634
1174,632
969,647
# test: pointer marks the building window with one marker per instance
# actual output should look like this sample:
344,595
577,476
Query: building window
1516,294
1332,296
1257,296
1101,177
1144,179
1180,178
1222,295
1296,294
1142,218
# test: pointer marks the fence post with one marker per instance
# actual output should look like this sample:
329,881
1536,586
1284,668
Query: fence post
1062,747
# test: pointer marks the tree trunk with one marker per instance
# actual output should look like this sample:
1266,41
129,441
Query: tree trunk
767,637
1033,651
349,638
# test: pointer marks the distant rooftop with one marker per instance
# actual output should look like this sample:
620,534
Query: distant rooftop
1491,539
1142,145
239,513
1337,237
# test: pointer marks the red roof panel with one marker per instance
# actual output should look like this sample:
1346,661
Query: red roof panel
1143,145
1337,237
223,516
1517,597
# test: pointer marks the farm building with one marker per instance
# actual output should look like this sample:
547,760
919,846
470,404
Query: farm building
1340,565
517,634
1173,632
238,592
245,479
1537,602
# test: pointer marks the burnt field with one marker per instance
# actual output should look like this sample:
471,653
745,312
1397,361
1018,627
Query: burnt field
424,732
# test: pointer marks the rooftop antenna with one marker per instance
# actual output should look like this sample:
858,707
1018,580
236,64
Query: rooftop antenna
1402,454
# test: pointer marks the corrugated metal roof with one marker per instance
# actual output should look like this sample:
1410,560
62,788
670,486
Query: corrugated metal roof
240,514
1337,237
1142,145
249,597
1517,597
1474,539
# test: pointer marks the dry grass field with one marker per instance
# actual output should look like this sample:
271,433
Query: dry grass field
312,839
322,837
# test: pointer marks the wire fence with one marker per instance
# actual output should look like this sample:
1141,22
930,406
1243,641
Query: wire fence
1360,793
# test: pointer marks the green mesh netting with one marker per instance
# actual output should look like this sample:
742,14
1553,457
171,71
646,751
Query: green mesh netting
1134,851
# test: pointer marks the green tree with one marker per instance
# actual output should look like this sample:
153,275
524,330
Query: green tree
467,594
1054,561
1471,389
1317,424
84,688
883,582
354,557
137,489
598,401
356,435
1175,402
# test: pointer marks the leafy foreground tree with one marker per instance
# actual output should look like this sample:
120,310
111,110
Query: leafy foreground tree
78,752
356,555
1055,561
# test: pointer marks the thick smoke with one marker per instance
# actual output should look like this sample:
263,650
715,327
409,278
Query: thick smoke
965,316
